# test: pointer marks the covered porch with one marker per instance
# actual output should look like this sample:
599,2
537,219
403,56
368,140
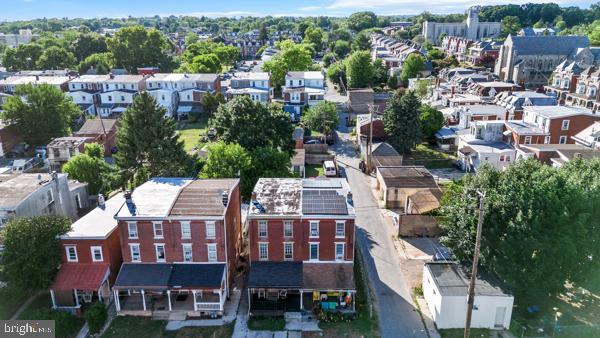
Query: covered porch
79,284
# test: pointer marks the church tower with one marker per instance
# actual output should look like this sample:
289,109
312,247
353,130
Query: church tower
472,23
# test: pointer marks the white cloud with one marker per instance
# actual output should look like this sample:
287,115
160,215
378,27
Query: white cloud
309,8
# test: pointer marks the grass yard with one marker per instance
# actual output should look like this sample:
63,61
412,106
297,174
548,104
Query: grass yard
459,333
428,157
314,170
259,323
191,132
10,300
143,327
66,325
365,324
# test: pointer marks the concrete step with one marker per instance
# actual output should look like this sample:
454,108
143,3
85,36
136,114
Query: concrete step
293,315
178,316
160,315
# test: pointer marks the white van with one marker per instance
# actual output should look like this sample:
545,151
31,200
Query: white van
329,168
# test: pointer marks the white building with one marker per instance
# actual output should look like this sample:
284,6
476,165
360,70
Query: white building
255,84
484,144
445,289
119,92
85,91
302,89
471,29
14,40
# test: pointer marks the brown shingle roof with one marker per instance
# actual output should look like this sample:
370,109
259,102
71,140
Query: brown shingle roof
203,198
96,126
407,177
328,276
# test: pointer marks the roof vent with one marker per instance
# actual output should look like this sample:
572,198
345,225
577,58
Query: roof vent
225,197
349,199
130,204
101,201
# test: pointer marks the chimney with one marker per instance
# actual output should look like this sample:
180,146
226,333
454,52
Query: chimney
111,75
128,197
101,201
129,202
54,175
349,199
452,92
225,197
253,198
37,77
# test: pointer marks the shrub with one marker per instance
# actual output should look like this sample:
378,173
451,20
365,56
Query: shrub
96,317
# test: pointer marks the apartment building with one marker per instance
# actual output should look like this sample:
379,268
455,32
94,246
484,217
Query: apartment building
302,89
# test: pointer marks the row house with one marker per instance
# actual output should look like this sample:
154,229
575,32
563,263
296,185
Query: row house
101,131
457,46
257,85
484,144
515,102
90,258
85,91
118,93
301,235
394,52
466,115
9,85
589,137
180,240
587,90
302,89
483,53
61,149
490,89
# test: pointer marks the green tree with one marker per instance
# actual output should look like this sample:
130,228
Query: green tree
24,57
91,168
147,142
322,117
392,82
314,36
401,121
211,102
31,253
96,316
190,38
510,25
359,69
266,162
136,46
263,34
328,59
40,113
225,160
87,44
205,63
291,57
361,42
253,125
431,120
412,66
380,76
362,20
341,48
227,55
101,63
56,58
337,74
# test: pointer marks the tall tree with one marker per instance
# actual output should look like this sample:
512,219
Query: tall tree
31,254
431,119
337,74
101,63
412,67
136,46
314,36
253,125
322,117
87,44
359,69
147,142
205,63
40,113
510,25
24,57
362,20
210,102
401,121
91,168
56,58
291,57
380,76
361,42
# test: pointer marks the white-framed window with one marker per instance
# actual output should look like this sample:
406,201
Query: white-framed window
340,228
210,230
187,252
158,229
314,251
71,253
50,196
501,158
339,251
212,252
132,229
135,252
288,227
546,139
160,252
565,125
186,231
262,228
314,229
97,254
288,251
527,139
562,140
263,251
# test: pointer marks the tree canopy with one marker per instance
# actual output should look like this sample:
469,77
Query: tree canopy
431,121
401,121
102,63
91,168
322,117
359,69
136,46
45,114
56,58
361,42
412,66
362,20
291,57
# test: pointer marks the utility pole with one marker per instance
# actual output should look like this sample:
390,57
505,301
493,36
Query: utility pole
372,109
471,292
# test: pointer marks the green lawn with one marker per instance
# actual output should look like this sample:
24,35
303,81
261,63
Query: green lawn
143,327
428,157
459,333
314,170
10,300
259,323
66,325
191,133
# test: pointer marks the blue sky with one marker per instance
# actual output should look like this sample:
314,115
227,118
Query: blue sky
29,9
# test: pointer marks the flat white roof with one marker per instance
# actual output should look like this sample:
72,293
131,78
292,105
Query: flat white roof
154,198
99,222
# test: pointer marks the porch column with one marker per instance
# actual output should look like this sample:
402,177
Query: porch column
143,300
117,302
169,299
221,300
53,299
249,300
353,295
100,294
76,298
301,300
194,293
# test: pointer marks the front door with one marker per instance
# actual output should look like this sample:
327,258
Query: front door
500,313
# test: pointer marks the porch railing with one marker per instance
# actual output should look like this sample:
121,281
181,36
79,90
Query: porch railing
208,306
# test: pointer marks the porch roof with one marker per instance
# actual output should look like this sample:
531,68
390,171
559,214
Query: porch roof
85,277
144,275
205,276
275,275
328,276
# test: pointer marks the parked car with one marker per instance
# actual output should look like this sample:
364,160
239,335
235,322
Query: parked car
330,169
313,142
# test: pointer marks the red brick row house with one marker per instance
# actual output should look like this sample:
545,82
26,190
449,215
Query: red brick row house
180,240
301,235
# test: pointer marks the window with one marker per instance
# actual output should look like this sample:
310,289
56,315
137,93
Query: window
288,228
507,158
527,139
212,252
186,231
71,253
314,251
50,196
97,254
109,98
565,125
187,252
288,251
160,252
547,140
562,140
263,251
262,228
340,228
314,228
135,252
210,230
122,98
339,251
158,230
132,227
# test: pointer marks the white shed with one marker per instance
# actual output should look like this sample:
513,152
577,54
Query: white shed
445,289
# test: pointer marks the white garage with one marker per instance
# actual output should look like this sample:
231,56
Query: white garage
445,288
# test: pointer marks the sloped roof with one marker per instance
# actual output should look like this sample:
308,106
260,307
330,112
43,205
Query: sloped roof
96,126
84,277
275,274
407,177
203,197
548,45
328,276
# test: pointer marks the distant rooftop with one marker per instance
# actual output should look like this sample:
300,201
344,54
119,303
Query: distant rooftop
313,75
68,141
558,111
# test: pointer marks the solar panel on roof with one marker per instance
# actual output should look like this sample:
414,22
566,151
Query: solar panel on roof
319,183
323,202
